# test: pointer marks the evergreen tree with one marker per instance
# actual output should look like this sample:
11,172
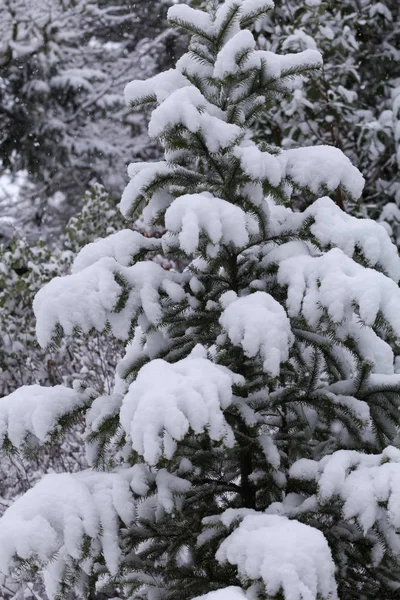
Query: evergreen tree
248,449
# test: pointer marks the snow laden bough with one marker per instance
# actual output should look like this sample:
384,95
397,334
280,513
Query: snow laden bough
246,448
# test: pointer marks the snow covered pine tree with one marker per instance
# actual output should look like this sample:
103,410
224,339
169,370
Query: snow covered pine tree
248,449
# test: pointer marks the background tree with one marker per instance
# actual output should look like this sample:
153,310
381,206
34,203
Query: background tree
63,66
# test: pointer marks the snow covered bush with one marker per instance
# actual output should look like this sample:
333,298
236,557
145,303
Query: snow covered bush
247,449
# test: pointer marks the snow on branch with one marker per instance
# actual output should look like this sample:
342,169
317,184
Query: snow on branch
53,521
155,89
260,325
336,283
101,294
33,410
187,107
367,484
193,216
287,556
258,165
229,593
194,21
166,401
321,168
123,246
333,227
142,175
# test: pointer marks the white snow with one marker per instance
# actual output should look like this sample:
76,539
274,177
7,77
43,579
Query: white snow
250,7
158,87
50,521
87,299
236,48
365,482
319,167
170,399
168,487
189,108
229,593
333,227
306,58
83,299
222,222
259,166
195,19
286,555
33,410
142,175
335,282
123,246
260,325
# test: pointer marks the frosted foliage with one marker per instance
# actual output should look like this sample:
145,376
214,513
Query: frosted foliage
259,166
50,522
371,346
166,401
142,175
222,222
230,58
336,283
286,555
87,299
33,410
260,325
334,227
198,19
249,7
369,485
169,486
158,87
123,246
83,299
189,108
319,167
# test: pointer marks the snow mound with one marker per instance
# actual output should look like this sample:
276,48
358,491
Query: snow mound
156,88
229,593
321,167
222,222
142,175
333,227
286,555
260,325
167,400
259,166
187,107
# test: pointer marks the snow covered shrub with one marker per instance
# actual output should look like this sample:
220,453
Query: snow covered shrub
247,449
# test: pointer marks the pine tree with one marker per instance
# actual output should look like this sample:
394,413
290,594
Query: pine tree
248,449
